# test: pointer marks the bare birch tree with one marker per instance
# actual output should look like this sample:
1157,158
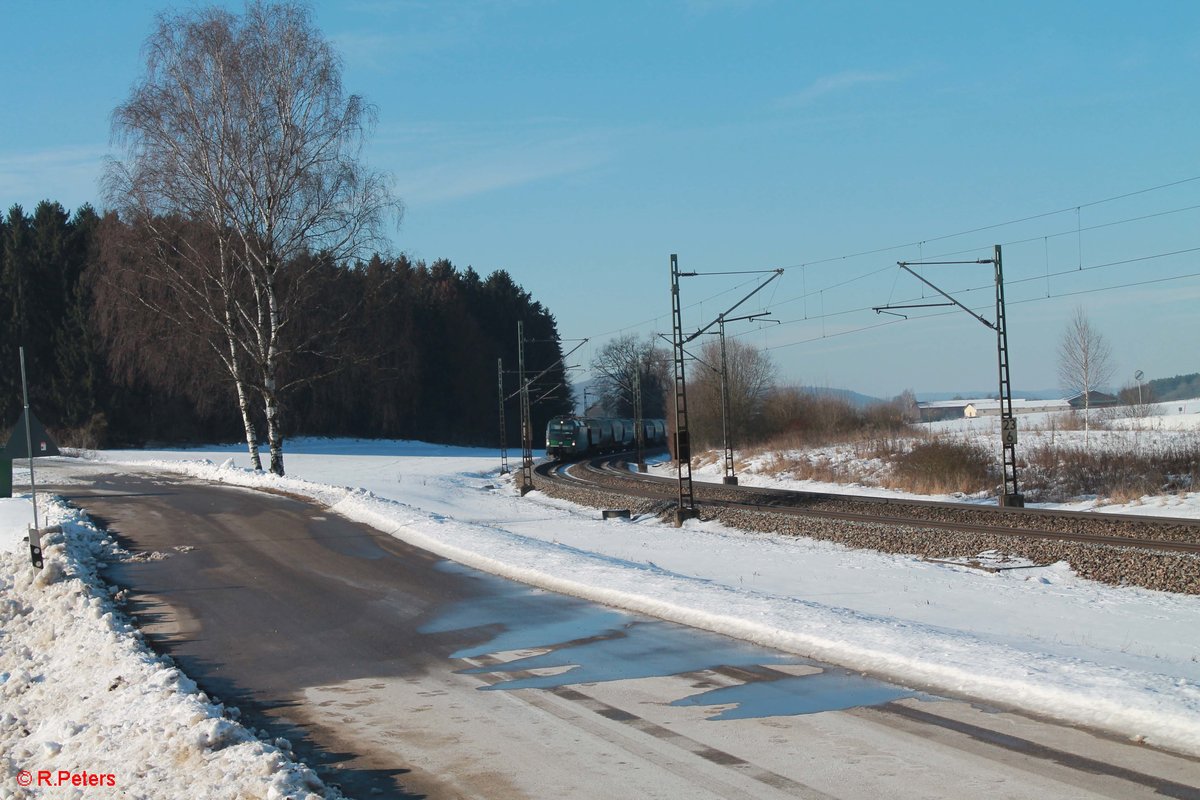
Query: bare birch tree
241,126
1084,363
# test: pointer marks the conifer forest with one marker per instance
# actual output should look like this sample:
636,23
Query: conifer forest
387,348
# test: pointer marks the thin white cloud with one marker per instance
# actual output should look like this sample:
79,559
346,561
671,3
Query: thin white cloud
69,175
833,84
466,174
385,52
704,7
398,32
55,157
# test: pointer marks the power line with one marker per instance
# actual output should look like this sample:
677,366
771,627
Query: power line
1091,267
1074,231
1076,270
837,333
991,286
1112,288
1073,271
696,304
1059,295
982,228
831,287
1077,231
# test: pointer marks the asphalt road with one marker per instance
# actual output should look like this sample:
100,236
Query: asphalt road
396,674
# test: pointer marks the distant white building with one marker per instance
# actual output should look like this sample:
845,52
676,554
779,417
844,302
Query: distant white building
936,410
991,408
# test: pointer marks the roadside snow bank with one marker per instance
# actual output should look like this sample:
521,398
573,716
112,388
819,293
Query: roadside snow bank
1153,701
85,703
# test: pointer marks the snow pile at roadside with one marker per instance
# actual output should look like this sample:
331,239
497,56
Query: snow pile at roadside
16,515
997,645
85,706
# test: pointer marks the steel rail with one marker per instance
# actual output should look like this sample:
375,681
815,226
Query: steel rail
787,502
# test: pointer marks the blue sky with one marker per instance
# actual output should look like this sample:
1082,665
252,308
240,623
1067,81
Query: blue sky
578,145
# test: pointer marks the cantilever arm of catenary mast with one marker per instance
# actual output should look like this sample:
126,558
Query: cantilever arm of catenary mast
562,360
549,392
690,355
757,289
755,315
905,267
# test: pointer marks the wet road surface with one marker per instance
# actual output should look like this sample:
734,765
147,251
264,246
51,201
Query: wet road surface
395,673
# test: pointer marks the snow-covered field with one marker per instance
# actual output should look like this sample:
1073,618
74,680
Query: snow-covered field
1167,424
1124,660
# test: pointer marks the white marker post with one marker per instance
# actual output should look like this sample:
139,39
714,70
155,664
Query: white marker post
29,438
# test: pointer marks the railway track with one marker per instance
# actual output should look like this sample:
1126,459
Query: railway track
610,474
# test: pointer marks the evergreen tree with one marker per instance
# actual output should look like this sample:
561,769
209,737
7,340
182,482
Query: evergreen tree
412,353
8,350
50,280
76,380
13,282
47,306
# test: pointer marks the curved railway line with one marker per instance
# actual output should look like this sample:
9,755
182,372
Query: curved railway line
1155,552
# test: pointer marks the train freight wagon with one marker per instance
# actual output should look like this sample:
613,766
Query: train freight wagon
572,437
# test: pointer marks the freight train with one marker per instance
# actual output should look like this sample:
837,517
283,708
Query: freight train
570,437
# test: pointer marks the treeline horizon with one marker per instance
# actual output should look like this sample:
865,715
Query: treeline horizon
392,348
1162,390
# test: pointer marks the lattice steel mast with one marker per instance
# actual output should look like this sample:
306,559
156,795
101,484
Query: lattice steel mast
503,427
1010,494
683,448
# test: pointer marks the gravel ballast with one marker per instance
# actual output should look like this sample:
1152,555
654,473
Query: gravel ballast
1116,565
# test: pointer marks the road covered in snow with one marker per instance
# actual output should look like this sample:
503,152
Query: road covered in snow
1119,660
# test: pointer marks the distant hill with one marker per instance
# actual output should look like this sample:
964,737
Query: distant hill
853,398
1037,394
1180,387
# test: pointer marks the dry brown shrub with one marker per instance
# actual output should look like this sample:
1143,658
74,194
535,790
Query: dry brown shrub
1057,473
942,466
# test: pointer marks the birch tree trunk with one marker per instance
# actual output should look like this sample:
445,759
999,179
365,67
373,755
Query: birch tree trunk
1084,364
241,125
